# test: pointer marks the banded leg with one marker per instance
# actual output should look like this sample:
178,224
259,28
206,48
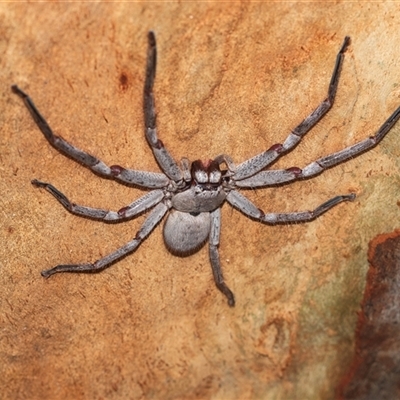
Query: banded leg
138,206
149,224
242,203
260,161
163,157
140,178
274,177
214,256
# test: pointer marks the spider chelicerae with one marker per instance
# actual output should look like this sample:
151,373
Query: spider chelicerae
192,193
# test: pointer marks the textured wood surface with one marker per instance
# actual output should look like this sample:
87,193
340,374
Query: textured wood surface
232,78
374,371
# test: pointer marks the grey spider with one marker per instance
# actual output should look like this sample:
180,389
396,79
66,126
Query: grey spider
193,193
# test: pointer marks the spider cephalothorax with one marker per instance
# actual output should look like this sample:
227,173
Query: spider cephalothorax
188,225
193,193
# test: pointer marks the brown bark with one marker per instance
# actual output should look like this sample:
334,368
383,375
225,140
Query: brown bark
232,78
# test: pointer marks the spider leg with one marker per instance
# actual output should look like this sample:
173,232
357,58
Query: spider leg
138,206
269,178
214,256
139,178
163,157
274,177
149,224
242,203
351,151
260,161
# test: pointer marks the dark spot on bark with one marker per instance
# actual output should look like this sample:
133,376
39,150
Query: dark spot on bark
123,81
374,370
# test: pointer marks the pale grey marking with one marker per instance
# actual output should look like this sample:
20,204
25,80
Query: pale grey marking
312,169
291,141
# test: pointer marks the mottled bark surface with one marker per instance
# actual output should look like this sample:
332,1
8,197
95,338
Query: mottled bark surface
232,78
375,370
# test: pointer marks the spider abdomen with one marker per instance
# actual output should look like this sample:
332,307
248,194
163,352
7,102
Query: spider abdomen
185,233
